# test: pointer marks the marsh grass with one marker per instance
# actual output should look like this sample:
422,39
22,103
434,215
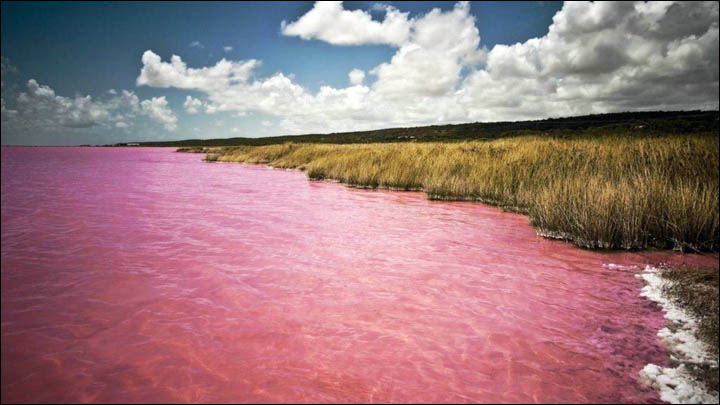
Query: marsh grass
615,191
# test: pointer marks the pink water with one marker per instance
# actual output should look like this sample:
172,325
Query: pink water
146,275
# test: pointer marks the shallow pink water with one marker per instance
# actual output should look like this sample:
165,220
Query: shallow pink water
146,275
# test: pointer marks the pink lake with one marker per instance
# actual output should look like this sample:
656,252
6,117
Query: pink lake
144,275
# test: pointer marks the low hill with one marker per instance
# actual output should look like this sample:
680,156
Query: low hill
645,122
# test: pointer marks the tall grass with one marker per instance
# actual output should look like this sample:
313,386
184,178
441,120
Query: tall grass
613,191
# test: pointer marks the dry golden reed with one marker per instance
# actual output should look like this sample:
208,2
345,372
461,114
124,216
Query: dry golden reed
602,192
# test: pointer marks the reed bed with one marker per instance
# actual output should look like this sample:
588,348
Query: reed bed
610,192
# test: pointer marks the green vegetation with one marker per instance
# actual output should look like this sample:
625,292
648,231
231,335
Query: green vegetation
696,290
618,191
616,181
645,123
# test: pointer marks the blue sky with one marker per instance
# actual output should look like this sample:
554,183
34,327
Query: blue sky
452,64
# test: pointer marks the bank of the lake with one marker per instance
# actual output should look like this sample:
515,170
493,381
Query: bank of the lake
608,192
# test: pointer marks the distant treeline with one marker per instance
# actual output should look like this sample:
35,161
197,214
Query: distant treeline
643,122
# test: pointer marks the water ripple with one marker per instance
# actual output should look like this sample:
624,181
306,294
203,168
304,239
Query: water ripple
144,275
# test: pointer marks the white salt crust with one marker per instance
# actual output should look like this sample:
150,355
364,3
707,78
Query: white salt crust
675,383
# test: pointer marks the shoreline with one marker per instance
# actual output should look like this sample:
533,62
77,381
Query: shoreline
607,193
685,380
679,382
554,235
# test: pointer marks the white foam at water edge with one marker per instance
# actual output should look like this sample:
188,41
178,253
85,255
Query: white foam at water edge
675,383
613,266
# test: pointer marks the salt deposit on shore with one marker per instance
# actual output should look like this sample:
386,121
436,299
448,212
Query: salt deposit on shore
675,382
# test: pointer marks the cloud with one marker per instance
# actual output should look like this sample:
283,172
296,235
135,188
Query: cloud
330,22
224,74
596,57
355,107
5,68
356,76
41,108
197,44
158,110
603,57
227,49
6,113
380,7
429,64
193,105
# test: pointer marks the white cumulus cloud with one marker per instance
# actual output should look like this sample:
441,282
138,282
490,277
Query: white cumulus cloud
175,73
330,22
158,110
41,108
356,76
596,57
193,105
